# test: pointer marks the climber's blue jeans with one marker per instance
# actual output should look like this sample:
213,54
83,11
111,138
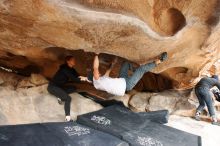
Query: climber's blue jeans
132,80
204,97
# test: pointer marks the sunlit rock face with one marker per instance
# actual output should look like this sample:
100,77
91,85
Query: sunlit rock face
33,33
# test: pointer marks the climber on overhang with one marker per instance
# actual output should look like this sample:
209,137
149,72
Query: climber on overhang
202,90
57,86
118,86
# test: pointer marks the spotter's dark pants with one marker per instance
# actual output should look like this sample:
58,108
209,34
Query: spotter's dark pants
204,97
63,94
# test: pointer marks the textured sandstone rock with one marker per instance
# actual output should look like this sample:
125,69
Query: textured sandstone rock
9,80
38,79
185,108
34,105
163,101
25,83
182,103
139,101
32,81
138,31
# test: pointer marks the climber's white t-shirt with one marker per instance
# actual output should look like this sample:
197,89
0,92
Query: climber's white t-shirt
115,86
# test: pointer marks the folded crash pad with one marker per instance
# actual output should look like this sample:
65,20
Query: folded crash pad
55,134
118,119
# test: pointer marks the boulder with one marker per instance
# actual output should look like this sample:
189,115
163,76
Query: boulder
139,101
38,79
163,101
185,108
176,102
9,79
32,81
35,105
25,83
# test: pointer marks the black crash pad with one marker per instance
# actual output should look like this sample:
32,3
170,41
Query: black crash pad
25,135
118,119
138,129
55,134
160,135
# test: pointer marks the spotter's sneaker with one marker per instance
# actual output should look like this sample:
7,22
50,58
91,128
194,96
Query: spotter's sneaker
59,101
197,118
216,123
68,119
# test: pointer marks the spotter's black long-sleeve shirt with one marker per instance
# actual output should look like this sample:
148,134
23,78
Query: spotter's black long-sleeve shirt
64,75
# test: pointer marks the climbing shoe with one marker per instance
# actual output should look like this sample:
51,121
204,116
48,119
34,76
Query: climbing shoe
163,56
197,116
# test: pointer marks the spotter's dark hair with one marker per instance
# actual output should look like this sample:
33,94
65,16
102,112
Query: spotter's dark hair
67,58
215,77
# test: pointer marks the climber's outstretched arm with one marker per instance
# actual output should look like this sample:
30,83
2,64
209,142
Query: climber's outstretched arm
96,68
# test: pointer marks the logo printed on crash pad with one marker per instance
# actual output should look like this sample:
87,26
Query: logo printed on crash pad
3,137
148,141
101,120
76,130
